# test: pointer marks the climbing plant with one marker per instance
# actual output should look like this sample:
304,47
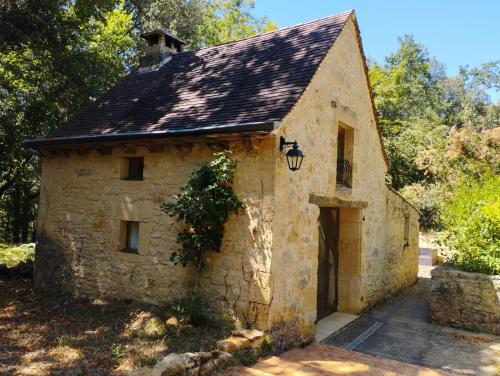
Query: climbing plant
204,205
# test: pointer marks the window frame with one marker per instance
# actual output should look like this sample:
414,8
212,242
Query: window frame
140,176
127,237
406,232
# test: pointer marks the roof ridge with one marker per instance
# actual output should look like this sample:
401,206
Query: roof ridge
349,11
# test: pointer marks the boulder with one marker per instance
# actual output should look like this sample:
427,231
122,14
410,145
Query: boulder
233,344
257,343
250,334
207,368
172,321
171,365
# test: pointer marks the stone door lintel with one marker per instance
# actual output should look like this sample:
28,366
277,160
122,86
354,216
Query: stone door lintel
335,202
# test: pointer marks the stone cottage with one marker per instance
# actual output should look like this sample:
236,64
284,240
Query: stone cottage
329,236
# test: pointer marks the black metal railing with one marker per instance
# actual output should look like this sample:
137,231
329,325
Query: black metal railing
344,173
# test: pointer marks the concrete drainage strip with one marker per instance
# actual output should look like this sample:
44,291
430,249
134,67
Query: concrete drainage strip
354,334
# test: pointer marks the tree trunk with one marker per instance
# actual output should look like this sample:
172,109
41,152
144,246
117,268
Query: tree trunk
198,272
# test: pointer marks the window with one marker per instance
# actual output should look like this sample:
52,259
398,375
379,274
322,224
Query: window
135,168
344,156
131,237
407,231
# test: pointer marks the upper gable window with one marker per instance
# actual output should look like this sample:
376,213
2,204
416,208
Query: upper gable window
134,169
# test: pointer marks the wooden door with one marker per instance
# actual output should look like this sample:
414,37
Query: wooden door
328,261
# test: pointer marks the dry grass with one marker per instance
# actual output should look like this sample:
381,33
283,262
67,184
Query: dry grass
46,336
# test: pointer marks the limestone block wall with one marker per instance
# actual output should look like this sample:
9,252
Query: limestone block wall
466,300
399,262
83,201
314,124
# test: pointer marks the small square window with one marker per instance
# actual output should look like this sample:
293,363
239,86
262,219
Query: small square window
135,168
131,237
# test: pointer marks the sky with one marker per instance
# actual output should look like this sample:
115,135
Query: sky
457,33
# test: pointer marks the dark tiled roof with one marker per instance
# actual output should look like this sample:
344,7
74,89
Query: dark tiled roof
254,80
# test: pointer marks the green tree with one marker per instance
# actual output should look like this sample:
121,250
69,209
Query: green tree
56,56
229,20
45,79
472,218
201,23
407,97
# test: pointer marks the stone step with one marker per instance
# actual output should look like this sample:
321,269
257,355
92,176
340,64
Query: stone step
425,261
426,251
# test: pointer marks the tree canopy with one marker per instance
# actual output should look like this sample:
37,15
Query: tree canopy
437,129
56,56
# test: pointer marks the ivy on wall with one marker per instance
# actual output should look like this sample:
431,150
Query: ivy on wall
204,205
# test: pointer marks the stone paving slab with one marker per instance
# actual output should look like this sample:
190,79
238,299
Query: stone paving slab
321,359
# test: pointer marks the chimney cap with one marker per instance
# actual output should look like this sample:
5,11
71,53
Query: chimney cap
167,33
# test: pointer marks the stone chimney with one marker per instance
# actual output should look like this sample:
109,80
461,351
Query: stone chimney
162,44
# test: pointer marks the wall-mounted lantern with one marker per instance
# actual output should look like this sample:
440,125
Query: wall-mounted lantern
294,155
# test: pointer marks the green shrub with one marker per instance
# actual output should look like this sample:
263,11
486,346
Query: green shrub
193,309
11,255
428,199
472,221
204,205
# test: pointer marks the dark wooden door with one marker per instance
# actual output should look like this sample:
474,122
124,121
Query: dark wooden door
328,261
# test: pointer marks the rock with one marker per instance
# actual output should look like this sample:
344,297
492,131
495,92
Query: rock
227,346
189,362
250,334
222,358
144,372
154,327
172,321
207,368
233,344
257,344
171,365
193,372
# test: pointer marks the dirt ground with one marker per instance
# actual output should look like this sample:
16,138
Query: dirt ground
60,336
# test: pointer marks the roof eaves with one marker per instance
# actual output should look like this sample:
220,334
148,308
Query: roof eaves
214,129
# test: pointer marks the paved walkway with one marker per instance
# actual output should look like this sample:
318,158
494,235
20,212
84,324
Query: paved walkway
406,344
409,336
321,359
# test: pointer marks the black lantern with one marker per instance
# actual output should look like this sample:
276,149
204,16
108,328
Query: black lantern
294,156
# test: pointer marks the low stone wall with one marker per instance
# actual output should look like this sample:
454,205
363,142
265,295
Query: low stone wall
466,300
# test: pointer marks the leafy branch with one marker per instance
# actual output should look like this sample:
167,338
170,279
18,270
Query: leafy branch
204,205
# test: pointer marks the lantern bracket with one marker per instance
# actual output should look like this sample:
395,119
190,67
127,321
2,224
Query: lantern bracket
286,144
294,155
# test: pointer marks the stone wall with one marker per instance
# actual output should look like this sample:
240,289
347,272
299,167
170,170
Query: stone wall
266,273
400,259
464,300
83,201
314,124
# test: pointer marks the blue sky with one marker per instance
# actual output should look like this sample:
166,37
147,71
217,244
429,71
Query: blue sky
460,32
